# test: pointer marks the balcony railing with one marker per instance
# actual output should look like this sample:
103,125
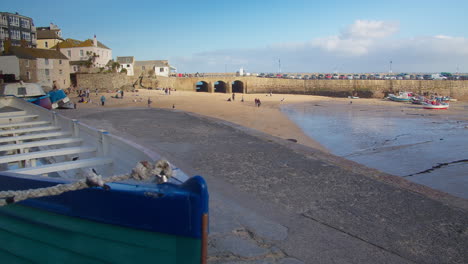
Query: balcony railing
3,23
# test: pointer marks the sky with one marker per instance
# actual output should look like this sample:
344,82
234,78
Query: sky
271,35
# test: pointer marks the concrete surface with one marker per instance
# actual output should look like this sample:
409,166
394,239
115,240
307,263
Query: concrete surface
274,201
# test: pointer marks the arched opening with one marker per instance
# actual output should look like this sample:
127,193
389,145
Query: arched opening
237,87
202,86
220,87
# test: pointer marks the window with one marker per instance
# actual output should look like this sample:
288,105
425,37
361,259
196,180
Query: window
69,53
28,75
81,53
60,71
15,34
14,21
46,61
47,72
21,90
161,69
128,65
46,44
74,68
25,23
27,63
60,61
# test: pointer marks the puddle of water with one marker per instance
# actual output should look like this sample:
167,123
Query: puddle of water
394,142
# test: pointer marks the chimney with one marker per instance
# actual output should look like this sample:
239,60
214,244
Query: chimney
95,41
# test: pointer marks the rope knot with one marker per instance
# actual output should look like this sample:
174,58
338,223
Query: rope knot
144,171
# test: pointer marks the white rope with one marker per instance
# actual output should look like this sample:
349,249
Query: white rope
144,170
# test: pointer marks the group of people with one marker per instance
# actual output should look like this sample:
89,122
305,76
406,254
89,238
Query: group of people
257,102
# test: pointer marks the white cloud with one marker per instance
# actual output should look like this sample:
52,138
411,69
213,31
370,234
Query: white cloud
364,46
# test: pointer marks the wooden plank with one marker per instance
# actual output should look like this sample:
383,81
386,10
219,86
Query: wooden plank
63,166
15,118
46,153
11,111
40,143
34,136
35,123
28,130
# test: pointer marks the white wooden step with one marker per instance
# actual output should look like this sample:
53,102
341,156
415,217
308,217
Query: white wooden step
46,153
12,112
20,124
15,118
34,136
63,166
40,143
27,130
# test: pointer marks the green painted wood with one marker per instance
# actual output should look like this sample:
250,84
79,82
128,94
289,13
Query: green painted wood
43,237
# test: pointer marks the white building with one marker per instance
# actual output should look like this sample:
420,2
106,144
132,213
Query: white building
156,67
88,53
127,63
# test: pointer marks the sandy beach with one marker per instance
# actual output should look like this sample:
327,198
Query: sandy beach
267,118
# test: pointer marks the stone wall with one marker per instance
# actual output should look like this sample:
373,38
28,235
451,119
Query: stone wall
339,88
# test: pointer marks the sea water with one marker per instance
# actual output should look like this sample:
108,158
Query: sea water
430,150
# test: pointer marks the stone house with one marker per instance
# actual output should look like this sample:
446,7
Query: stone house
85,54
152,67
36,65
127,63
48,37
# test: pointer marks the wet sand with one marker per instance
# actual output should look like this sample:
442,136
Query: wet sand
267,118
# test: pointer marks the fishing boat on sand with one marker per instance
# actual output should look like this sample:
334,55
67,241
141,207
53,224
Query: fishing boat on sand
435,105
72,194
401,97
31,92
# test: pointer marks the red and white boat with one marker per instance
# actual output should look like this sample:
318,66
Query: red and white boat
435,105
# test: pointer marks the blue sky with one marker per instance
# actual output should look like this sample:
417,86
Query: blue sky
307,36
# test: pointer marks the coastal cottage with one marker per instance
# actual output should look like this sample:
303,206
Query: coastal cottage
36,65
84,55
127,63
153,67
48,37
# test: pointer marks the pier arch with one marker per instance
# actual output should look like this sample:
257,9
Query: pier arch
220,87
238,87
202,86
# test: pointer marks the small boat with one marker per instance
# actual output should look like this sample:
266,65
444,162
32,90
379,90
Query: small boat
435,105
60,100
401,97
72,194
418,100
31,92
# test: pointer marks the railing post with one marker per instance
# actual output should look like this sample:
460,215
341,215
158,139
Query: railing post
75,129
103,142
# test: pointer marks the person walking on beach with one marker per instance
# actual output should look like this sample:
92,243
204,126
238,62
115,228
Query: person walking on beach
103,100
87,92
233,96
121,93
149,102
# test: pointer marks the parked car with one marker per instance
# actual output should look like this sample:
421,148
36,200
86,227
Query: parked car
306,77
378,76
349,77
419,77
342,77
328,76
313,77
399,77
335,76
321,76
363,77
356,76
299,76
261,75
427,77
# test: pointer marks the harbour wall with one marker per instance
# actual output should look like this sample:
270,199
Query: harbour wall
336,88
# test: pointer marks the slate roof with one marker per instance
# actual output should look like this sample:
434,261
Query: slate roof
48,34
73,43
125,60
156,63
32,54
